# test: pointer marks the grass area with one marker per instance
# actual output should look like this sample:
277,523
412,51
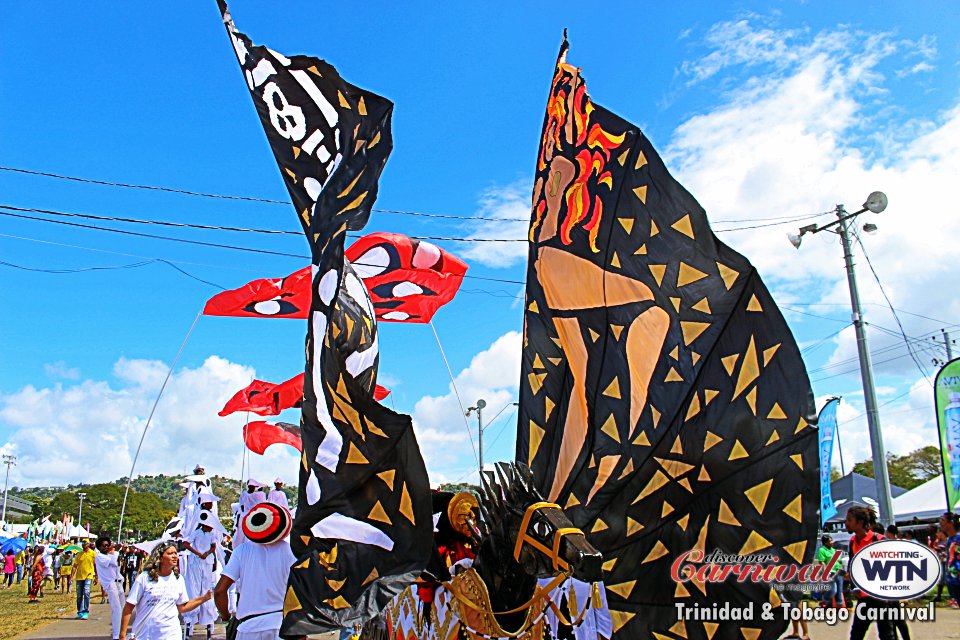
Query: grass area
18,617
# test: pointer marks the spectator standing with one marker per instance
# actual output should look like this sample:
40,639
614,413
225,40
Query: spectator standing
277,495
108,572
20,560
83,573
131,566
825,555
57,560
159,596
9,568
862,523
949,524
36,576
66,571
260,569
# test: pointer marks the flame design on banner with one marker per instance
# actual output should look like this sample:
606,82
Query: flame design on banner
363,527
260,434
664,403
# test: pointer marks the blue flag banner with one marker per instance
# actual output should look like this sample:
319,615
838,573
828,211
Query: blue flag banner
827,422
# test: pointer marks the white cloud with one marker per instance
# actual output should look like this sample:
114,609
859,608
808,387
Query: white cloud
807,122
509,206
89,431
59,369
493,374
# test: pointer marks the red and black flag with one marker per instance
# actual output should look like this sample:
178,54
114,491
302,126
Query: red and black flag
664,403
363,526
268,399
265,298
260,434
408,279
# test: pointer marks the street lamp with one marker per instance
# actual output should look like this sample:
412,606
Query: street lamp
481,404
80,495
875,203
9,460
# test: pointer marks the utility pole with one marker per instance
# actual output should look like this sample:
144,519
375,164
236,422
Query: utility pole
866,374
946,341
81,495
481,404
875,203
9,460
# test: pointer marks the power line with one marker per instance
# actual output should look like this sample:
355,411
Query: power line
220,196
903,333
134,265
222,228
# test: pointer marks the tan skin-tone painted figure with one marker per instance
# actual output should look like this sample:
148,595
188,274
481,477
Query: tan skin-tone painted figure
571,283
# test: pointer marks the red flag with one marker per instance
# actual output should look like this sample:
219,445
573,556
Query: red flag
408,279
249,399
266,298
260,434
268,399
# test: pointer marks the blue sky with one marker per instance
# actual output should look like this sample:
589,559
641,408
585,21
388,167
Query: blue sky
762,109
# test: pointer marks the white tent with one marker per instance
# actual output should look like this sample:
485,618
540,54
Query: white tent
924,502
78,532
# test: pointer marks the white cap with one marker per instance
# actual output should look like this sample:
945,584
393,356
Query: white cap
255,483
207,496
277,480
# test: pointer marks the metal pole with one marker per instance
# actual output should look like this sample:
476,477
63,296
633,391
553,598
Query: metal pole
81,495
843,471
8,460
946,341
866,374
480,437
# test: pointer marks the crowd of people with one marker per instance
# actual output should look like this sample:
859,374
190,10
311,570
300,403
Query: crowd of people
153,585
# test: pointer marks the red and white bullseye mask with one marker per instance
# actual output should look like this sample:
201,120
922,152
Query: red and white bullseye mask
266,523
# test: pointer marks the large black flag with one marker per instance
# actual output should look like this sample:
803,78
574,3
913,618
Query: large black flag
664,403
363,529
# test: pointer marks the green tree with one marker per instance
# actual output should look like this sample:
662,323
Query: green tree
909,470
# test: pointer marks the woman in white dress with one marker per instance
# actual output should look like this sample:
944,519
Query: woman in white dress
159,596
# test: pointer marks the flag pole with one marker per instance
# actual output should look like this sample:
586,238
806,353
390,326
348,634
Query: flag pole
126,493
456,392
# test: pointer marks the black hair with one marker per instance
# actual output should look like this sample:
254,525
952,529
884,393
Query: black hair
102,539
864,515
892,530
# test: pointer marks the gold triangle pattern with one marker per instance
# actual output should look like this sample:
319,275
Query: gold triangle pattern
728,275
613,389
626,223
688,275
659,550
610,428
725,515
684,226
754,304
729,362
794,509
702,306
755,542
738,452
758,495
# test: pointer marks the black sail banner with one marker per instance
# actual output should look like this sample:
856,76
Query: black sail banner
664,403
363,529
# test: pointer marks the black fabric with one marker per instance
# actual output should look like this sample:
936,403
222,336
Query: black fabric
361,461
664,403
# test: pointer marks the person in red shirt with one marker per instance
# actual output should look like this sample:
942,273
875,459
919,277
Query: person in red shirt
861,522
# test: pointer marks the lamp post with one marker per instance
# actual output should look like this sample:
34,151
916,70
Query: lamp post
9,460
481,405
80,495
875,203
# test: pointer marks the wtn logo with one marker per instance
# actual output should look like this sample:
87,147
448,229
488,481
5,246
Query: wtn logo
895,569
902,570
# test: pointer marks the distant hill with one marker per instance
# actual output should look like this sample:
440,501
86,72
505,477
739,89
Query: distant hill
153,501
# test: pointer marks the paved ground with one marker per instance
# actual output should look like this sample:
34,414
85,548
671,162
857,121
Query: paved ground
946,627
98,626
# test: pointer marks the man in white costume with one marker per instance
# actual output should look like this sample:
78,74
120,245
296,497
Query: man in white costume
277,496
206,560
259,569
111,580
